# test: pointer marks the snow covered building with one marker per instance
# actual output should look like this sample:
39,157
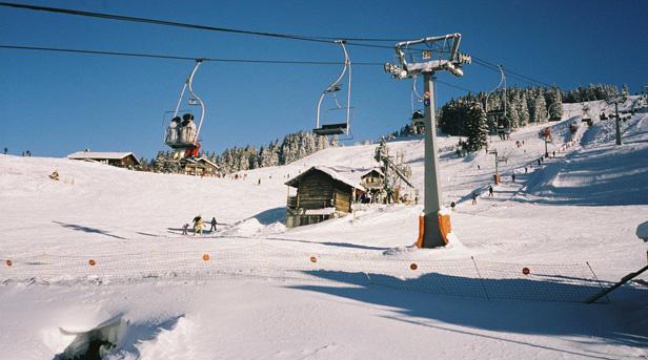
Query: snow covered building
322,193
373,179
200,167
120,159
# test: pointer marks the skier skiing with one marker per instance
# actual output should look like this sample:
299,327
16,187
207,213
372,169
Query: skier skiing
198,225
54,175
213,224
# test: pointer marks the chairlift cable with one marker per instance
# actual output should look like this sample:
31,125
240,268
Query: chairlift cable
328,40
185,58
511,73
193,58
187,25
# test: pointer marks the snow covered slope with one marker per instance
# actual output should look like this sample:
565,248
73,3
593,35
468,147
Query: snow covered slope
581,206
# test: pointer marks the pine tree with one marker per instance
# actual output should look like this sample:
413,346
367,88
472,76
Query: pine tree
476,128
555,103
512,108
523,111
625,91
452,118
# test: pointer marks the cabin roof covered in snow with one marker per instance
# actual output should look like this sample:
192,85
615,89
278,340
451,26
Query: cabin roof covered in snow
95,155
328,171
377,171
203,159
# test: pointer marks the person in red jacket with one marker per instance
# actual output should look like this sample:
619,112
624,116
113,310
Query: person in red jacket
193,151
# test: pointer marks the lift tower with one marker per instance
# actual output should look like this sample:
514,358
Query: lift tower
440,53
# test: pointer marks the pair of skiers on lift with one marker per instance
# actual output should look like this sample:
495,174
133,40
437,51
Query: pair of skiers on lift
182,130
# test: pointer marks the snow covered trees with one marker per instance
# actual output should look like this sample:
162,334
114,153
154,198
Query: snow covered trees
468,119
554,100
293,147
476,128
590,93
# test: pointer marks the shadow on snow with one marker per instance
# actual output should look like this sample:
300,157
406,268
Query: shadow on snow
620,322
87,229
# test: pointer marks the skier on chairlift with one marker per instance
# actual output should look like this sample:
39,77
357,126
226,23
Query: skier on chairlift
173,130
193,151
188,129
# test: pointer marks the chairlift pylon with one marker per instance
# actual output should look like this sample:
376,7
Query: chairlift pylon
336,128
182,133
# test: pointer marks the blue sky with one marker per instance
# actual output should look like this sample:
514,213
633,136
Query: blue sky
56,103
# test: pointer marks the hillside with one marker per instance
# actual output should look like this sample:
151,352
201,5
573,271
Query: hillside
576,210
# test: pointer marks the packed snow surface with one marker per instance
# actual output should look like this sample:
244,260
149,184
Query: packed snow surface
341,289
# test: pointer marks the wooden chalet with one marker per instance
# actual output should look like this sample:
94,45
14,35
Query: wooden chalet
200,167
373,179
119,159
322,193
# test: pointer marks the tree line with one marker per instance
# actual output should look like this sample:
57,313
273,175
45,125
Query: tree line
293,147
474,117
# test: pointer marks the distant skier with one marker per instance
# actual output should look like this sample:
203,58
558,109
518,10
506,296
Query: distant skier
490,191
213,225
513,177
185,229
473,196
54,175
198,225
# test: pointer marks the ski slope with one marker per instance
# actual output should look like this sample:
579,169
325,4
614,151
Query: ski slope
580,207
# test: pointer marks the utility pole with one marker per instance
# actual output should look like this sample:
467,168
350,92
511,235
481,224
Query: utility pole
432,235
618,123
616,100
496,178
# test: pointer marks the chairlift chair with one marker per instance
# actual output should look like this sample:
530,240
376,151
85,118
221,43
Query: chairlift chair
499,115
186,140
416,98
336,128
